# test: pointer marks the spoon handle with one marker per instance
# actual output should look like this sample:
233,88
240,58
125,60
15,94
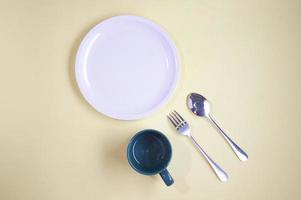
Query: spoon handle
220,173
237,150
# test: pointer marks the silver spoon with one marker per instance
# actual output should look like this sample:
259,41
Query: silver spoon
199,105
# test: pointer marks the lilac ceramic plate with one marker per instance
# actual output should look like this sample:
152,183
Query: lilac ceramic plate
127,67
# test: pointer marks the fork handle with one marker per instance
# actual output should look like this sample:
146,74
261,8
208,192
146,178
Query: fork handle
220,173
243,156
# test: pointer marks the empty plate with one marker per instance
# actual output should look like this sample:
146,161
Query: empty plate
127,67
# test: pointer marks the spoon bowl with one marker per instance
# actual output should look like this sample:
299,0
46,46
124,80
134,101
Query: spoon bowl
198,104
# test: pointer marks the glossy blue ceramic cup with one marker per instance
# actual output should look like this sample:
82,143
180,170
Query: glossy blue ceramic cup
149,153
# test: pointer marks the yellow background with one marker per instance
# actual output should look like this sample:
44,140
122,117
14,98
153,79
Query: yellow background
244,56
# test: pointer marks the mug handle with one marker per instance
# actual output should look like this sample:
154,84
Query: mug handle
168,180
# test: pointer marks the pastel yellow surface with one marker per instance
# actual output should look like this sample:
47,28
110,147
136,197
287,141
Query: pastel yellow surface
244,56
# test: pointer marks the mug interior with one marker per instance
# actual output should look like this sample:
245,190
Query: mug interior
149,152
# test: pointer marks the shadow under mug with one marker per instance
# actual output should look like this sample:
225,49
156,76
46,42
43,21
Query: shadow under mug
149,153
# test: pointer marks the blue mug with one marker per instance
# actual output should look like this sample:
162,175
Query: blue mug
149,153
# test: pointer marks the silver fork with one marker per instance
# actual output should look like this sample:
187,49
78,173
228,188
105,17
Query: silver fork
184,129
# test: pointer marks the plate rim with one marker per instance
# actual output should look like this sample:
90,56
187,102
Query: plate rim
175,78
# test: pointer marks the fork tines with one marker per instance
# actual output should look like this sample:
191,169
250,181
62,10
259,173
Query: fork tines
176,119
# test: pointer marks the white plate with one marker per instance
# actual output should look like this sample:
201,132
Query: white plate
127,67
